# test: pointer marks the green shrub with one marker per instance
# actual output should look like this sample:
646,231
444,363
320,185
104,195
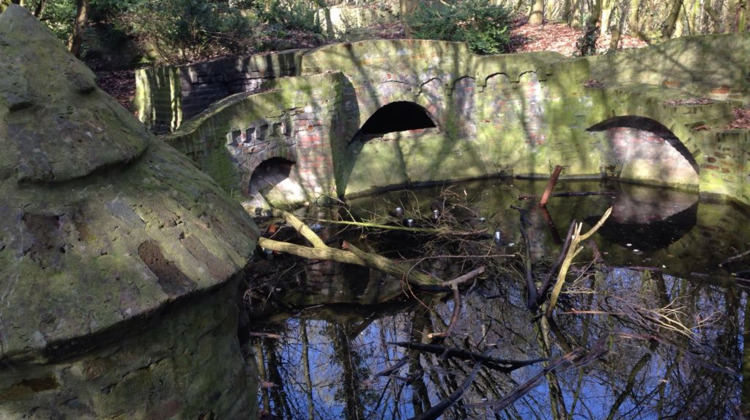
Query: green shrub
484,27
298,15
182,31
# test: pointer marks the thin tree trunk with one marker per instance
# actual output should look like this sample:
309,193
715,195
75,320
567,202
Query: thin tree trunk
633,25
79,26
671,22
39,9
406,7
607,7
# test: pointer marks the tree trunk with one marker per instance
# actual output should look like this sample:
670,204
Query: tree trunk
714,17
671,22
607,7
633,26
406,7
587,43
567,12
536,17
79,26
39,9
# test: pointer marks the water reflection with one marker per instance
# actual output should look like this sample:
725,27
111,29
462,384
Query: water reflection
670,319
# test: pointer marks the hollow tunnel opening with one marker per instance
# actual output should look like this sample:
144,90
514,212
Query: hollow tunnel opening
397,116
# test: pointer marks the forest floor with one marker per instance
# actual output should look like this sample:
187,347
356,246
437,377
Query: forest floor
557,37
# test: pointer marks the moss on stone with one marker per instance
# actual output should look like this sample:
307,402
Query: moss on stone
83,188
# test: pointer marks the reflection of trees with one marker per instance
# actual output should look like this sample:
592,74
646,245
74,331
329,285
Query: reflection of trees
351,391
673,344
654,368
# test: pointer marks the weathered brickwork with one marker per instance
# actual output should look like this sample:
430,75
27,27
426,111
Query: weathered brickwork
519,114
240,133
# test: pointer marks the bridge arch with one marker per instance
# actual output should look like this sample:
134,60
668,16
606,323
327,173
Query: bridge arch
274,179
398,116
639,148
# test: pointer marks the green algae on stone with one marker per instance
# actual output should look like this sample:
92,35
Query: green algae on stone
59,123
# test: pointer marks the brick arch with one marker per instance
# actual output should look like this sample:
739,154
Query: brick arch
653,150
493,78
254,161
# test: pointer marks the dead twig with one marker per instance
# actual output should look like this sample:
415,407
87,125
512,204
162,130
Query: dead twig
735,258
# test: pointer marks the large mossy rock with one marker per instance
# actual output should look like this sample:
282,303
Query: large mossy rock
119,260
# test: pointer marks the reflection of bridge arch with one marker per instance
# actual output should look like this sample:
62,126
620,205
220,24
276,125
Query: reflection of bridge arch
395,117
642,149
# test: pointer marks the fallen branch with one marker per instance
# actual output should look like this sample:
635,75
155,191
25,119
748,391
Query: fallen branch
542,294
364,259
300,227
393,369
390,267
735,258
454,317
265,335
502,365
429,231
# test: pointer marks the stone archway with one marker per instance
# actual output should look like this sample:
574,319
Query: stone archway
642,149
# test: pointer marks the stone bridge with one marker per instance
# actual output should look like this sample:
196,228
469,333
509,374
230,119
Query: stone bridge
373,115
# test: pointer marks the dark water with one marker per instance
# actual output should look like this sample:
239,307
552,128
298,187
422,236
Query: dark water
650,324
